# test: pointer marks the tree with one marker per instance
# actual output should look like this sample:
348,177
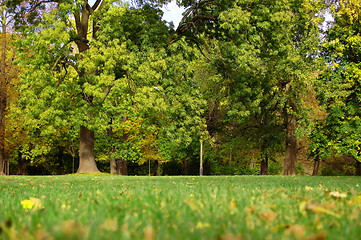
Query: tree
59,79
339,86
7,72
265,52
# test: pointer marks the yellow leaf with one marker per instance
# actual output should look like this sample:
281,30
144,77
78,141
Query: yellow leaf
110,224
201,225
233,204
32,203
317,208
308,188
27,204
355,201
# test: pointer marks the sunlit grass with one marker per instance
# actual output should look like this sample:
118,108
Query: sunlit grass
241,207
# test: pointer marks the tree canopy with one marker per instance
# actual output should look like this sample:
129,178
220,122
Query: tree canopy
117,84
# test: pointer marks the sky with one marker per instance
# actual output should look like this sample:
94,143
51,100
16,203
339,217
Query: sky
173,13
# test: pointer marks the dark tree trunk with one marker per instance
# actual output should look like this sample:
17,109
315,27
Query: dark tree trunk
112,161
156,166
316,167
3,94
264,165
22,165
289,164
358,168
122,166
207,167
86,152
187,169
3,163
264,161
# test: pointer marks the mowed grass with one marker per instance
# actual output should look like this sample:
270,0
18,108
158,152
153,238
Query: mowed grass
237,207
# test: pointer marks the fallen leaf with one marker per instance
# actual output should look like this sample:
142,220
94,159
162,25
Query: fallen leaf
32,204
110,224
355,200
318,208
268,216
308,188
74,228
318,236
296,230
229,237
148,233
337,194
191,204
233,204
201,225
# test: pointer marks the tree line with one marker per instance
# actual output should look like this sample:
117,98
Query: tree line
109,85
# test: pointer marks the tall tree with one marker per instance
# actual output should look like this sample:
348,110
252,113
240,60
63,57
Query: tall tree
265,52
7,73
59,75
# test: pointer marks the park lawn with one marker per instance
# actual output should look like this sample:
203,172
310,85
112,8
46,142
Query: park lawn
215,207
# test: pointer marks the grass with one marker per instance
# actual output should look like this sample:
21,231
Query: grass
228,208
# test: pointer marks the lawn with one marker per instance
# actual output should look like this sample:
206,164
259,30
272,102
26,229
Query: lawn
227,208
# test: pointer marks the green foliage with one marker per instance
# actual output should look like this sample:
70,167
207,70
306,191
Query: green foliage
338,88
128,81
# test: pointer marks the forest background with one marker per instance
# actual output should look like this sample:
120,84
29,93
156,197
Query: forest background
238,87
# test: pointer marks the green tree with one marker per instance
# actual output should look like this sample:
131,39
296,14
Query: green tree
339,86
66,80
265,53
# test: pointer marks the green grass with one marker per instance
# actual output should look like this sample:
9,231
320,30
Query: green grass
239,207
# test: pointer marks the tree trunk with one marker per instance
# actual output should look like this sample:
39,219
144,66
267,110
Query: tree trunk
186,167
289,164
86,152
264,161
3,93
112,161
358,168
316,167
22,165
2,162
122,166
207,167
87,162
156,166
264,165
113,166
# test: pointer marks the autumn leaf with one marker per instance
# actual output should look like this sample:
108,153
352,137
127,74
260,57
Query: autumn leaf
148,233
296,230
316,208
229,237
355,200
268,216
233,204
337,194
110,224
